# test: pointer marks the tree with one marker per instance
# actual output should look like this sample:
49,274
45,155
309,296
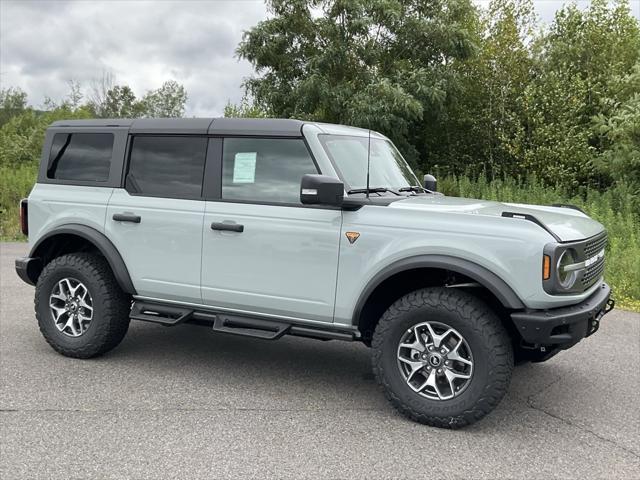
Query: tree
12,102
482,129
382,64
245,109
167,101
620,131
121,102
577,58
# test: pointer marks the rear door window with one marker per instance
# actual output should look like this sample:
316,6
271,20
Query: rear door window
167,166
80,157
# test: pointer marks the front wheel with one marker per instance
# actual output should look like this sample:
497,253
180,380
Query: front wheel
442,357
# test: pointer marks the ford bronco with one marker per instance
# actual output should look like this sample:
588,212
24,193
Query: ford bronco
269,227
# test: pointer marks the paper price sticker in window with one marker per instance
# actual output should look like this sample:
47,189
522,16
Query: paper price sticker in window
244,167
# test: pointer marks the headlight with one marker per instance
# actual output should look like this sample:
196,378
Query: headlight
567,277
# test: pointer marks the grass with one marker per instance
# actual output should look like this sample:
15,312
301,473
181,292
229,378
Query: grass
617,209
15,183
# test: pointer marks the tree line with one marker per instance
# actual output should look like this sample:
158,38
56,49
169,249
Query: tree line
22,126
461,90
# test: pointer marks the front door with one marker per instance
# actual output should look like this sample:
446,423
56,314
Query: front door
263,252
156,222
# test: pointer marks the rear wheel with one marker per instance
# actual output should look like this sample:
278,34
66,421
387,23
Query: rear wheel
80,308
442,357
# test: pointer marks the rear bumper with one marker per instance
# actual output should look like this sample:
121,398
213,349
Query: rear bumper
566,326
28,269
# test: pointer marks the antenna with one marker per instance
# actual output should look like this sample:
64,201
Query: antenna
368,161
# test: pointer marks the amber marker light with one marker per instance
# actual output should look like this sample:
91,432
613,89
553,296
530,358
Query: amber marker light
546,267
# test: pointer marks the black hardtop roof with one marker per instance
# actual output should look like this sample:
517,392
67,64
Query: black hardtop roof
213,126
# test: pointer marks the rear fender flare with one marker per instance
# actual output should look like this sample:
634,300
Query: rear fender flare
101,242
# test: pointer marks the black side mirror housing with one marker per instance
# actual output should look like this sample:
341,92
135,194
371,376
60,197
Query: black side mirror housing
430,183
321,190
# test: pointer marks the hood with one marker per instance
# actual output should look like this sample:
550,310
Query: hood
566,223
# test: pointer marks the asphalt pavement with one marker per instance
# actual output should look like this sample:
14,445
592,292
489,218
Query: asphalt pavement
185,402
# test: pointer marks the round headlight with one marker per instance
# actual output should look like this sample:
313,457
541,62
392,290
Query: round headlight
566,278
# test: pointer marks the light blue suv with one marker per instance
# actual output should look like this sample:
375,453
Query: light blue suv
267,227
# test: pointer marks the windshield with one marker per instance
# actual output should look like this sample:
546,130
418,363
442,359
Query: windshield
387,167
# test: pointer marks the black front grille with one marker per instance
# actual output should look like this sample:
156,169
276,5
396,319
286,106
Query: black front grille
594,246
594,271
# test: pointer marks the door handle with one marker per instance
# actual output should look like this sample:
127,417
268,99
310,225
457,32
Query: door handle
231,227
126,217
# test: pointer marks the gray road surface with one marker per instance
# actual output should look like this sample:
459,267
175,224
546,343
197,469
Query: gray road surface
188,403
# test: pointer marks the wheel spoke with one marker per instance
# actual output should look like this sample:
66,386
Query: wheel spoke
57,312
416,345
455,356
431,382
435,338
59,296
71,325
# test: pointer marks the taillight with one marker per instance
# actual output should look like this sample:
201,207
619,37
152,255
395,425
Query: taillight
24,216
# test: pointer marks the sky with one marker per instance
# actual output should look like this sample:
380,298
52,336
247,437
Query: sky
45,44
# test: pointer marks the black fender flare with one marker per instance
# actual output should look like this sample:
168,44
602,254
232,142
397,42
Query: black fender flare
101,242
485,277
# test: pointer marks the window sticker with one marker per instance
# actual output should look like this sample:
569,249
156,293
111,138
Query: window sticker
244,167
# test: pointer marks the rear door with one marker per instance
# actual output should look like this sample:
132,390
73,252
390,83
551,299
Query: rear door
263,251
156,220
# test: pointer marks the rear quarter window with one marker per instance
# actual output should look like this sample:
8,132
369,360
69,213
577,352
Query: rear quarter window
80,157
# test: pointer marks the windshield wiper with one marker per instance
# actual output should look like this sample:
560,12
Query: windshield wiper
413,188
372,190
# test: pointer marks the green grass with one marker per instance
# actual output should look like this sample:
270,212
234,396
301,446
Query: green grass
617,209
15,183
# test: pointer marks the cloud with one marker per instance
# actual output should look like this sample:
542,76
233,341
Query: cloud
45,44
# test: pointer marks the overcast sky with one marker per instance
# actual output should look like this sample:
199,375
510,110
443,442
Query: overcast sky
46,43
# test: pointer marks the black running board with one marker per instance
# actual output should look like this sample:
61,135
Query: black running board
170,315
162,314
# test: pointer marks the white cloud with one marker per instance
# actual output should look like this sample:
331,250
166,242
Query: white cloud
45,44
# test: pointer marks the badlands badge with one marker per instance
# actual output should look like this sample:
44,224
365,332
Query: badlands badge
352,237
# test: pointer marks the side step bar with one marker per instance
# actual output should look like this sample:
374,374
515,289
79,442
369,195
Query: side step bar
162,314
170,315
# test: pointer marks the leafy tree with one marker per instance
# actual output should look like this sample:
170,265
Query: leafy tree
12,102
620,131
121,102
245,109
382,64
482,128
577,58
167,101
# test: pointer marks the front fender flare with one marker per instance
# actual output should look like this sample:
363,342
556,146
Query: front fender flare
485,277
101,242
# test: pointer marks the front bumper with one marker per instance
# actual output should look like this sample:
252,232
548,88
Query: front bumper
564,327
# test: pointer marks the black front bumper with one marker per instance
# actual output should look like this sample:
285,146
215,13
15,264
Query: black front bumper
28,269
565,326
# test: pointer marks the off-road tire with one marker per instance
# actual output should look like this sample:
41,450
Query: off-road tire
111,305
489,342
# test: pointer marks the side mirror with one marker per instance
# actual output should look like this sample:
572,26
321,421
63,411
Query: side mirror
430,183
321,190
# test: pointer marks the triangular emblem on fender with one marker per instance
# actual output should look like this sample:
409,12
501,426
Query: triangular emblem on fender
352,236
